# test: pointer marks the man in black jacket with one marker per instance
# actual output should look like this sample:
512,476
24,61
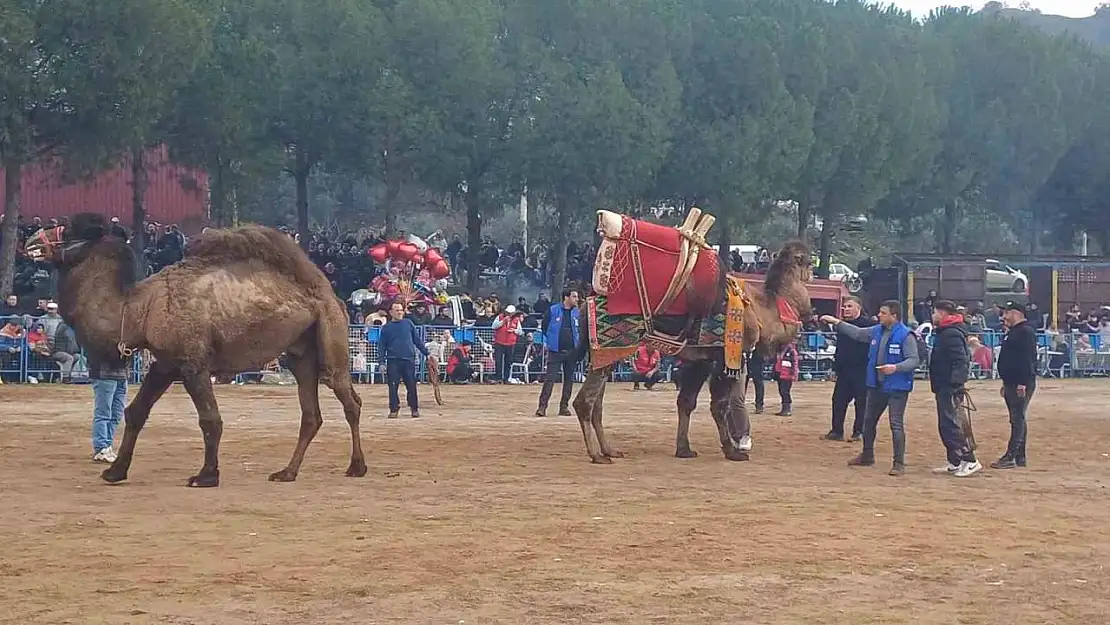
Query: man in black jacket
948,370
850,371
1017,366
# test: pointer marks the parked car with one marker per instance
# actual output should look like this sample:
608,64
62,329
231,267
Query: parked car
1002,278
844,273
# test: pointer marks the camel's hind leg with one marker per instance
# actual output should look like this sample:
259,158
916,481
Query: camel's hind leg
352,410
585,403
199,387
303,360
135,415
335,365
727,407
692,377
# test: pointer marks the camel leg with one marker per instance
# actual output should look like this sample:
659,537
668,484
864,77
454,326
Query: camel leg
727,396
589,396
154,385
692,377
306,371
607,450
199,387
352,410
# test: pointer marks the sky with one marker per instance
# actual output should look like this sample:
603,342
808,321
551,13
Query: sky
1070,8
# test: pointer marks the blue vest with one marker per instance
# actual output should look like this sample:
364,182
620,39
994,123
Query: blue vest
555,325
900,380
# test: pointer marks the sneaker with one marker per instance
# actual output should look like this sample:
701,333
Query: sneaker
947,469
415,414
758,410
392,415
541,413
106,455
745,444
565,412
968,469
833,436
855,438
897,469
1004,463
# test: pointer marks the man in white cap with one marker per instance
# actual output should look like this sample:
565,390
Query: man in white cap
506,329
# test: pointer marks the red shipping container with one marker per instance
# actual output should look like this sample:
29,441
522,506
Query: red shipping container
174,195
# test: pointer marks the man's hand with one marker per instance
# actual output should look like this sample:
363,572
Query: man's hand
887,369
829,319
1021,390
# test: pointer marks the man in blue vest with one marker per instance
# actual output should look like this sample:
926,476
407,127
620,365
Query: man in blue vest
563,338
891,360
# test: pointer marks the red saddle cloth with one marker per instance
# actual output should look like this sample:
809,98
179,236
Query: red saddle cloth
660,246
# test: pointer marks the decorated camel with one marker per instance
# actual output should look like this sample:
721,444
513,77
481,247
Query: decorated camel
663,286
239,299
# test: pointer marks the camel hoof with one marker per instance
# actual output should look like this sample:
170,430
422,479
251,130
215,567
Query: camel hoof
685,453
613,453
205,480
113,477
285,475
736,455
357,469
601,460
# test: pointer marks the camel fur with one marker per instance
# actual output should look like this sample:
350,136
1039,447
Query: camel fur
238,300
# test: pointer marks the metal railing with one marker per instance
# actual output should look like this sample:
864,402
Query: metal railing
1060,355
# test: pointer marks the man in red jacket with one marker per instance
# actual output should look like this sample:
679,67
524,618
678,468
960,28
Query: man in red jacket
646,367
506,329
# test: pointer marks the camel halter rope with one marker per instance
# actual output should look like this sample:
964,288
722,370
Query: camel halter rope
125,352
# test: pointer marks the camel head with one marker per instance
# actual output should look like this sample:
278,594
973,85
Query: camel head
791,266
67,245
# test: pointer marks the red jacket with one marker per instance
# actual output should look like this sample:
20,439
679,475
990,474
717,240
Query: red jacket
459,355
786,365
506,333
646,359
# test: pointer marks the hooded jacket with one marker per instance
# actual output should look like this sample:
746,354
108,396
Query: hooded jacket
949,361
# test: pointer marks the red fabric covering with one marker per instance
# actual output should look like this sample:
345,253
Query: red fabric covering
787,312
659,257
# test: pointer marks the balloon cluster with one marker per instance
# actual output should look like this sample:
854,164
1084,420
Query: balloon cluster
407,252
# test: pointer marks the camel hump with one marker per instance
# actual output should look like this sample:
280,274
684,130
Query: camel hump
219,247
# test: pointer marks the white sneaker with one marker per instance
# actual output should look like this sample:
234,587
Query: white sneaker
952,468
745,444
106,455
968,469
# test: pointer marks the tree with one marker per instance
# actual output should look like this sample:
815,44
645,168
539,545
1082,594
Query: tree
74,75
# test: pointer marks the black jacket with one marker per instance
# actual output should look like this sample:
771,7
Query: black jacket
949,360
108,368
1017,361
851,356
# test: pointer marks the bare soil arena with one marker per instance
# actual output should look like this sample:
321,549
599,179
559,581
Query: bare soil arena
481,513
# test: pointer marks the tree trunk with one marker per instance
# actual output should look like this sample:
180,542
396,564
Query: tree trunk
564,208
948,226
139,183
218,195
824,254
389,204
300,176
473,236
803,220
724,240
9,233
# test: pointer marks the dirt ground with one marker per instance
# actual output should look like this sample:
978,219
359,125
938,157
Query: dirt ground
481,513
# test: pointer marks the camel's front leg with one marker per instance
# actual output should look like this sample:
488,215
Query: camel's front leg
588,399
199,387
692,377
607,450
154,385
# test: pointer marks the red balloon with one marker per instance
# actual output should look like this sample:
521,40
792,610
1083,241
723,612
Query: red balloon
440,270
379,253
432,256
417,259
405,251
392,247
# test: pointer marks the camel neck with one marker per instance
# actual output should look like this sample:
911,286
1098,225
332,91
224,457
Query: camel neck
92,300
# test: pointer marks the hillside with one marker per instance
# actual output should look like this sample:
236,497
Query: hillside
1095,29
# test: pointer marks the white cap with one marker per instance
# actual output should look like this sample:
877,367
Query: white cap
510,309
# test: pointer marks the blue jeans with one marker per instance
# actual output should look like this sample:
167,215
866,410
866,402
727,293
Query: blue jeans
399,372
109,398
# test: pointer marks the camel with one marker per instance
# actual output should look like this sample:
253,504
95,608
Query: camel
763,329
238,300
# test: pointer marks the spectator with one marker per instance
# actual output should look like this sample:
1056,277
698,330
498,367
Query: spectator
459,369
850,374
51,320
786,373
11,349
754,369
645,366
982,357
1017,366
398,344
562,335
506,330
948,370
64,350
109,383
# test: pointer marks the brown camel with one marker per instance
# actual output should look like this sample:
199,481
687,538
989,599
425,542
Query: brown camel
238,300
764,329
